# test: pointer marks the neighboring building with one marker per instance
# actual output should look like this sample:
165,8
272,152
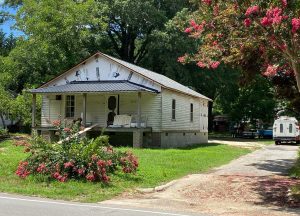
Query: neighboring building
130,103
7,121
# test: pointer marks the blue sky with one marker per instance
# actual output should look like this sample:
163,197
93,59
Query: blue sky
6,27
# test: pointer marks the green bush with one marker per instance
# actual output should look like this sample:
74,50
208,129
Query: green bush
75,157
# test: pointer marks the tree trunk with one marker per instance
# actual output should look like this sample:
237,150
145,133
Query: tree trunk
296,68
3,121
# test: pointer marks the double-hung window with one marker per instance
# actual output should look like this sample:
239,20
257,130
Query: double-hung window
70,106
192,112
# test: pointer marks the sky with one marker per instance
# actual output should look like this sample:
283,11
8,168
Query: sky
6,26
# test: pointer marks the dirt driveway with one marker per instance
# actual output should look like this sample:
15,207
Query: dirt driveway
254,184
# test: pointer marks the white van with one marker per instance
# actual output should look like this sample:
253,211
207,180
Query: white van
286,129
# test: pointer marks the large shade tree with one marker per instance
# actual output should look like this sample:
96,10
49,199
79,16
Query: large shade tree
257,35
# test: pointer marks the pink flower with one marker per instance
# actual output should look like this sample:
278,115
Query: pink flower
56,123
81,171
247,22
215,65
284,3
271,71
90,177
68,164
216,10
207,2
265,21
42,168
181,59
295,24
188,30
67,130
252,10
201,64
193,23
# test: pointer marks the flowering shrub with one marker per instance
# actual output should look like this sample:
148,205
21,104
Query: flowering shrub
75,158
236,32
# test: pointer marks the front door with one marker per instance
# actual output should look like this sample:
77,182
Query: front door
112,108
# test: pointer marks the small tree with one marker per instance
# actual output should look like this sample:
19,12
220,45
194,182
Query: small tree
258,36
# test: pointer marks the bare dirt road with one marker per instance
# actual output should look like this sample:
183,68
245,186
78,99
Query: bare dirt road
254,184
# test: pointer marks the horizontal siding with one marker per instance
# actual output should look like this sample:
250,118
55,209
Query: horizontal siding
182,121
51,110
151,108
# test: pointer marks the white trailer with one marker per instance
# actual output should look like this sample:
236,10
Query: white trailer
286,129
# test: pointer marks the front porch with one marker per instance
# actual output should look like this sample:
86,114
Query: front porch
117,111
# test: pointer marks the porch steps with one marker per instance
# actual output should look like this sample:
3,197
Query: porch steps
79,133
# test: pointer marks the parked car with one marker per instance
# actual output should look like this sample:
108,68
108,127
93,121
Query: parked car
265,133
286,129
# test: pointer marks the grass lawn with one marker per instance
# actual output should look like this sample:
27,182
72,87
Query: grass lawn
157,166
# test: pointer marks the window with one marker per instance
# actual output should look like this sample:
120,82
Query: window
281,128
70,106
173,109
192,112
290,128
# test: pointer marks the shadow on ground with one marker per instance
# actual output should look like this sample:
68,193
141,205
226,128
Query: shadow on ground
280,167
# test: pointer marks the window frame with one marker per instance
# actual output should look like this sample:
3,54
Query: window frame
281,128
191,112
68,107
290,128
173,117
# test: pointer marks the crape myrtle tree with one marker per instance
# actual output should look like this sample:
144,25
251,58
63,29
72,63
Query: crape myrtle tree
255,35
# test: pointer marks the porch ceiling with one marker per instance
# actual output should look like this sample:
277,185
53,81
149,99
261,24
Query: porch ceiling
93,87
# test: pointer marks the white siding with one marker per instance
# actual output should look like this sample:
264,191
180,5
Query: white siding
182,121
108,70
52,109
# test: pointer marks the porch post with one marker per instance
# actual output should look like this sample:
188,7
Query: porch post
84,110
33,114
139,110
138,134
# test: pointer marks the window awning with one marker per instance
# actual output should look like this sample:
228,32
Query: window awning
92,86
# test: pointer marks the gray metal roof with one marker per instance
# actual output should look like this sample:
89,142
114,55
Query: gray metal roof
159,78
102,86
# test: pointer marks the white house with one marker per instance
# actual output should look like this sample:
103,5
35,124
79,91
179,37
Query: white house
130,103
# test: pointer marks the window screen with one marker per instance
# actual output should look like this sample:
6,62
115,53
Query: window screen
281,128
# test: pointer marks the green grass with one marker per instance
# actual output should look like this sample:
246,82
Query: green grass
157,166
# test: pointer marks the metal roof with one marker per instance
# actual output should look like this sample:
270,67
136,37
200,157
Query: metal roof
92,86
159,78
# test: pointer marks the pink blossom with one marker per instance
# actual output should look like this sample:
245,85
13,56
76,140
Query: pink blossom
193,23
215,65
271,71
42,168
284,3
67,130
201,64
56,123
252,10
207,2
265,21
295,24
216,10
68,164
181,59
247,22
188,30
